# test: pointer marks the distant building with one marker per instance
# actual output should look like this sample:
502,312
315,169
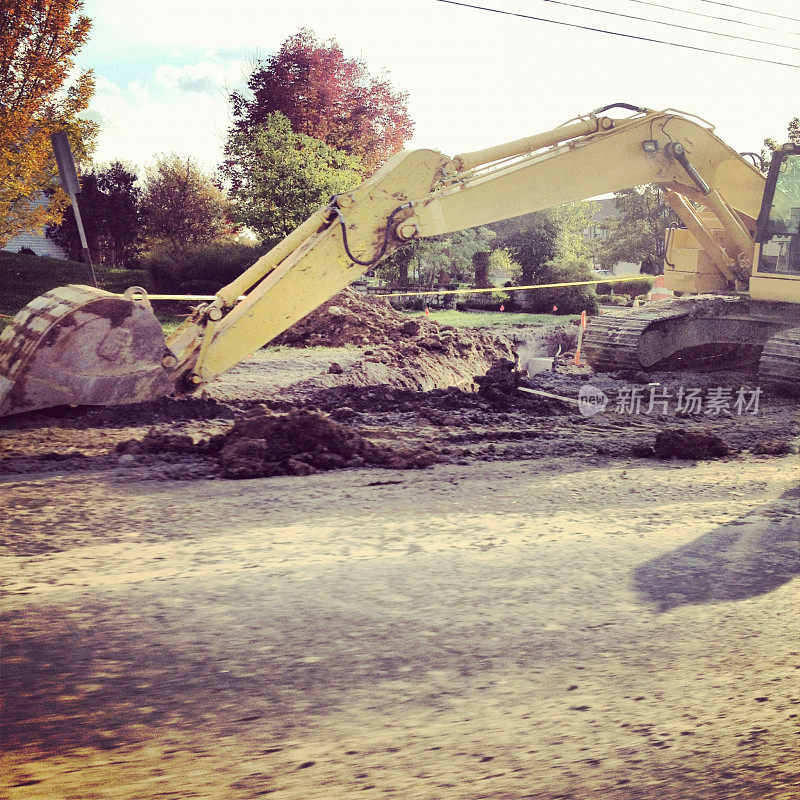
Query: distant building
37,242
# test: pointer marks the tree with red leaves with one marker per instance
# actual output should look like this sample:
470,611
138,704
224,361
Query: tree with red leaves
328,97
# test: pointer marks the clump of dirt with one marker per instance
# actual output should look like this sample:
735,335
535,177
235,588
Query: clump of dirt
689,444
501,378
262,443
774,447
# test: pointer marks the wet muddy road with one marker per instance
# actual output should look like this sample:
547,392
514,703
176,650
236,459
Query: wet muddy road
552,628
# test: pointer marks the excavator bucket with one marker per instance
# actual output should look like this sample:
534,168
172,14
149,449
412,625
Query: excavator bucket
76,345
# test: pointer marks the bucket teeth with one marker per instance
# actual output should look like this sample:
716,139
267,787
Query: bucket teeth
76,345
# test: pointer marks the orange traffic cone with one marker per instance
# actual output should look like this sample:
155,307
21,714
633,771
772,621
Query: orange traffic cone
580,338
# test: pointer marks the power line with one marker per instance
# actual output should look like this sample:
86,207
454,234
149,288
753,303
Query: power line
671,24
622,35
751,10
713,16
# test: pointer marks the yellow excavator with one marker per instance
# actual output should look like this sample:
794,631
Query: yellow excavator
739,253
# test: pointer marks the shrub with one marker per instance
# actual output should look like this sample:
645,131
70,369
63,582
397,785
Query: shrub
409,302
198,268
568,299
604,289
633,287
485,301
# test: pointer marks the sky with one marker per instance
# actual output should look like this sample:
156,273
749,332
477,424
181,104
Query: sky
164,68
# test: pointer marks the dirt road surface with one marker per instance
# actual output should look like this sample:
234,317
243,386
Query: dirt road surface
550,628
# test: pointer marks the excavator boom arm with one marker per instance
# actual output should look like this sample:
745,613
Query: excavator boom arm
423,193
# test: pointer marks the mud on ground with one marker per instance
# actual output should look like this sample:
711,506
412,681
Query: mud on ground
460,418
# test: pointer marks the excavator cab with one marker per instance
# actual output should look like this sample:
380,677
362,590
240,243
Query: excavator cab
779,221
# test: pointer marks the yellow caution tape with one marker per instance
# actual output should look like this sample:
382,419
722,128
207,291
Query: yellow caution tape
518,288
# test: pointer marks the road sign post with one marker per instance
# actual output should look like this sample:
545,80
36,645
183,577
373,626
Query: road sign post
69,180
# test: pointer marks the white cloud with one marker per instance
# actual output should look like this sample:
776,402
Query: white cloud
207,77
103,86
143,118
139,91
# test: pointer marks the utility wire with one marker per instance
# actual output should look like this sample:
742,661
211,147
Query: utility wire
751,10
671,24
713,16
618,33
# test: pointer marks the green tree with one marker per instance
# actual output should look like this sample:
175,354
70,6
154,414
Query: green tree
38,43
531,241
638,234
110,209
573,220
437,260
536,239
550,246
181,203
770,145
278,178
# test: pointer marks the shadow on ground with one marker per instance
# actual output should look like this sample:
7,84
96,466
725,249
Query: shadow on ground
746,558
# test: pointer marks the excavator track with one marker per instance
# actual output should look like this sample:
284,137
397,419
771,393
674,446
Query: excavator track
699,333
779,367
613,343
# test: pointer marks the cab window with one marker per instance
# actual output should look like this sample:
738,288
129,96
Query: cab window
780,249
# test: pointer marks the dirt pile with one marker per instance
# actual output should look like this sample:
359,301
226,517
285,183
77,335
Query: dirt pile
301,442
405,353
164,410
351,318
158,440
689,444
497,392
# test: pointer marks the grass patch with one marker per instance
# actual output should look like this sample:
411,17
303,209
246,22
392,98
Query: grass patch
495,319
23,277
169,322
